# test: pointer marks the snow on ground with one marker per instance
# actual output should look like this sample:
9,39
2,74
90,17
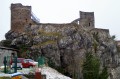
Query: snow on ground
5,75
48,71
52,73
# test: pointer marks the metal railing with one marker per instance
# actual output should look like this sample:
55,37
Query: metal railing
33,17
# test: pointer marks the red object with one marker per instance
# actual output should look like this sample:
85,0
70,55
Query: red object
38,75
26,63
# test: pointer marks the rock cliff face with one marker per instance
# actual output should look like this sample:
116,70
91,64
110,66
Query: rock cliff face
65,45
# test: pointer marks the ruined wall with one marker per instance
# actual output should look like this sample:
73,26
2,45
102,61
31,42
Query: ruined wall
104,33
118,43
20,17
87,19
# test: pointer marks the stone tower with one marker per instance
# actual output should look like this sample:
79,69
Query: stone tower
87,19
20,16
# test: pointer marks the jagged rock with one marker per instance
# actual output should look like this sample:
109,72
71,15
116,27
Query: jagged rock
65,45
11,35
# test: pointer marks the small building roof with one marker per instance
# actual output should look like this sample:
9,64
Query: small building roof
8,48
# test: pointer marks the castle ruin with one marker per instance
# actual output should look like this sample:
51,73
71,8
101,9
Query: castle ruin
60,42
22,16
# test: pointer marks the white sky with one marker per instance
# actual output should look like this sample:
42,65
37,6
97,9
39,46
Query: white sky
107,12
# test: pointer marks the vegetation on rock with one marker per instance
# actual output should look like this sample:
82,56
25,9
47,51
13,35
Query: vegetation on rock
91,68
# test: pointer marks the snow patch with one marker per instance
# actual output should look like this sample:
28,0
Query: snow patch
52,73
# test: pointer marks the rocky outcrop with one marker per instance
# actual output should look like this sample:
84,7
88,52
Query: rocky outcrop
65,45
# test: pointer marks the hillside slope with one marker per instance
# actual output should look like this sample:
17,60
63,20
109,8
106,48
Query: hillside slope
65,45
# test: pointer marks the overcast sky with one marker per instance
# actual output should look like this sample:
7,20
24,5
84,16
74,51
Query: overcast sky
107,12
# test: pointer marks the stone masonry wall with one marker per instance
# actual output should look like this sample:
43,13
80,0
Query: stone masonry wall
102,32
20,17
87,19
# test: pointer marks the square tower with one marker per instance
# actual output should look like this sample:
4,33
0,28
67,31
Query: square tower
87,19
20,16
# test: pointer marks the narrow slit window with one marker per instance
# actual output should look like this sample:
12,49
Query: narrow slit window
89,24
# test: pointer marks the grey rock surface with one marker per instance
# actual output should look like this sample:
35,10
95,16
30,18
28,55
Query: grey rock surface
65,45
